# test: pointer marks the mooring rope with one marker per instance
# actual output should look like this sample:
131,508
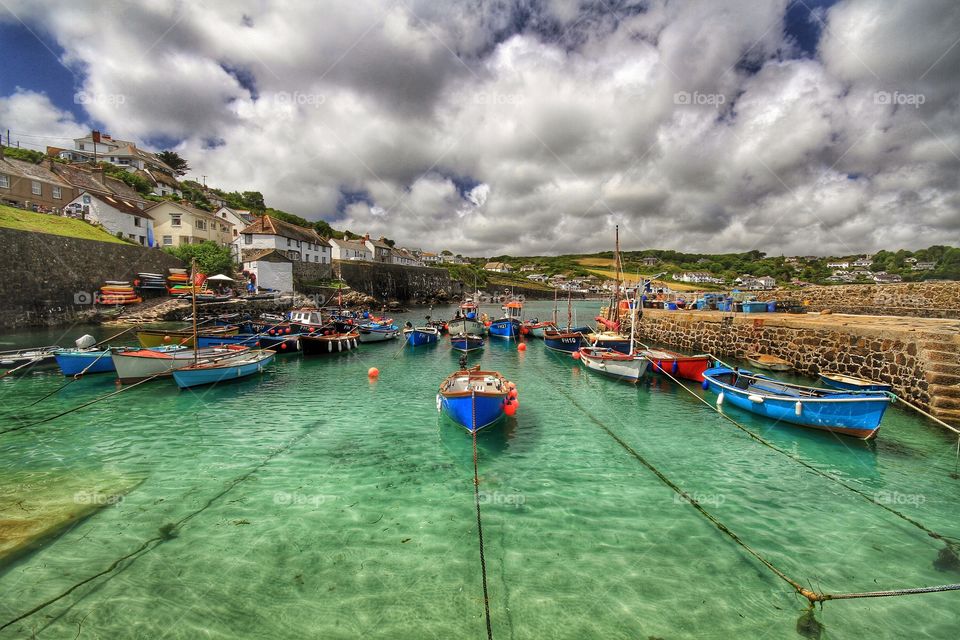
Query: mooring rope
167,532
949,541
73,379
476,496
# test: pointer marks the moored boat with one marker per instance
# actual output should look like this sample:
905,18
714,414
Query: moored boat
610,340
474,399
417,336
766,361
509,325
214,371
466,342
181,338
613,363
853,383
333,342
77,361
856,414
565,341
678,365
134,365
33,356
378,333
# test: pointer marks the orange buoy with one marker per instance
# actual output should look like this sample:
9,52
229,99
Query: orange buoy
373,372
487,323
521,347
524,330
510,409
576,355
511,385
166,338
283,345
512,394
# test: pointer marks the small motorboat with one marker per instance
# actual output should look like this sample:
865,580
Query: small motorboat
564,341
629,367
84,358
678,365
852,383
373,332
856,414
610,340
135,365
466,320
536,328
474,399
34,356
767,362
466,342
182,338
417,336
213,371
509,325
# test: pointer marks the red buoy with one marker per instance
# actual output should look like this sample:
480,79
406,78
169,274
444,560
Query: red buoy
524,330
576,355
166,338
510,409
487,323
373,372
283,346
512,394
521,347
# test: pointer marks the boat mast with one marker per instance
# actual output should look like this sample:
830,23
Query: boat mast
554,306
569,311
633,322
193,290
613,313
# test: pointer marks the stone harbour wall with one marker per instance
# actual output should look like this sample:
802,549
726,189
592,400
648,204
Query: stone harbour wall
916,299
50,280
920,358
387,282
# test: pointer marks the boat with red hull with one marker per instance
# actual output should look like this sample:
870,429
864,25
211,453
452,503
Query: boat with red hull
678,365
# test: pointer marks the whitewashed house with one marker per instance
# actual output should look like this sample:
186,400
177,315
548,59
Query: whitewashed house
238,219
404,257
839,265
119,216
349,250
429,258
271,269
498,267
297,243
697,277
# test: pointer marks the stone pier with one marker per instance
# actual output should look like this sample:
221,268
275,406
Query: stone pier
920,357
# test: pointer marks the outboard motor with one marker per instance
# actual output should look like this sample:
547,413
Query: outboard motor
85,341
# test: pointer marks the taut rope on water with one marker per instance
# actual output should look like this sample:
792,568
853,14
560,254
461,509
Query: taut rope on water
476,496
167,532
948,555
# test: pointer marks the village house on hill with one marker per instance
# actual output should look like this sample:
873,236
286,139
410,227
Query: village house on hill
380,250
498,267
238,219
177,223
32,186
299,244
120,216
346,249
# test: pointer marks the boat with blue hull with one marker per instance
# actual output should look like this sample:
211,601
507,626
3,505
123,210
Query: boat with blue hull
856,414
509,325
216,371
466,342
564,341
279,341
419,336
853,383
474,399
74,362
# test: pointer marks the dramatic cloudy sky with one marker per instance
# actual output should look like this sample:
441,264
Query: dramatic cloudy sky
789,126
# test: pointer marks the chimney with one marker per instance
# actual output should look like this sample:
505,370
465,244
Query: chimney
366,238
98,174
344,237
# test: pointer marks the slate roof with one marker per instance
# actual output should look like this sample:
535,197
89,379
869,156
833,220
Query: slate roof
271,226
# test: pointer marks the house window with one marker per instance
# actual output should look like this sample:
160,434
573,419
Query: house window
4,181
316,259
36,188
201,225
175,221
168,241
136,221
248,238
289,242
56,193
132,236
86,199
143,241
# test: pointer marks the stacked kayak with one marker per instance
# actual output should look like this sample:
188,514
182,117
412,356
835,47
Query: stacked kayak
151,282
118,292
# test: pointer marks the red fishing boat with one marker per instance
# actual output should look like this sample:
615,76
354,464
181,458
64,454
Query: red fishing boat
679,365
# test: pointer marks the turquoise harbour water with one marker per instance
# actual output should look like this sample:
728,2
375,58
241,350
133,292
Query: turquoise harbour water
312,502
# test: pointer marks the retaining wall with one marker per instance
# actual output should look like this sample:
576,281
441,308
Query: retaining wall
916,299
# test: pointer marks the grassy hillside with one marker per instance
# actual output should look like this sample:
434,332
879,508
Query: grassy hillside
19,219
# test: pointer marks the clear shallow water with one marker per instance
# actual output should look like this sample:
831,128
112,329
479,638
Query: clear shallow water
358,516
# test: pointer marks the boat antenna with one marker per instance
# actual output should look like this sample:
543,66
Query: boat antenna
193,291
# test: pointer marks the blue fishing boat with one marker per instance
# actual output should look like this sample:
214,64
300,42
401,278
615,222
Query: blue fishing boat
509,325
417,336
852,383
565,341
214,371
856,414
76,361
466,342
474,399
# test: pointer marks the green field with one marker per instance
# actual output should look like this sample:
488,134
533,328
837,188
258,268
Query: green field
11,218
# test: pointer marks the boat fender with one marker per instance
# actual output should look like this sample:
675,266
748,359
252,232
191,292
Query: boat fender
329,347
755,398
675,367
439,403
798,408
705,385
720,399
339,346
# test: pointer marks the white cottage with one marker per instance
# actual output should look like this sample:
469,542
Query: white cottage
126,217
270,268
349,250
297,243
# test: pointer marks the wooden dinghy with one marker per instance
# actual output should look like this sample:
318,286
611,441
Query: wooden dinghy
767,362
